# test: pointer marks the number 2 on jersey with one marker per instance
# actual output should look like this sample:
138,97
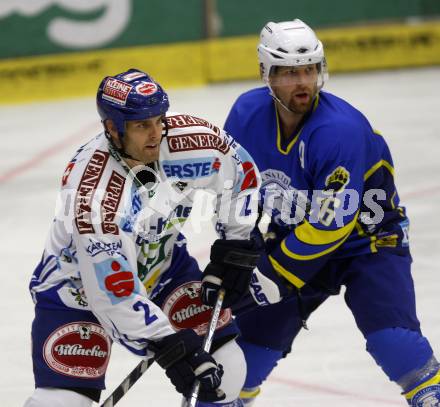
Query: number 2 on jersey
148,318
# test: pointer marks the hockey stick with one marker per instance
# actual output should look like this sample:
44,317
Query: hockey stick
140,369
191,402
126,384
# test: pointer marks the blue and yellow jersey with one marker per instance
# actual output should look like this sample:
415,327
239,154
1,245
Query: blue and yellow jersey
329,188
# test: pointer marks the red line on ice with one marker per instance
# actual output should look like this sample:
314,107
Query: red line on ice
43,155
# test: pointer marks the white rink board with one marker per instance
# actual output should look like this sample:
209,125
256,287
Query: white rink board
329,366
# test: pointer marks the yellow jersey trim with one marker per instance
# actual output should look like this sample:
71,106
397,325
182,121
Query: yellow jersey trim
292,143
313,236
392,199
250,394
433,380
290,277
359,229
375,167
373,246
373,238
304,257
289,147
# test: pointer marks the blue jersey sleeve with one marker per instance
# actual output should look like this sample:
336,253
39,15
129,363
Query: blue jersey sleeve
232,123
334,164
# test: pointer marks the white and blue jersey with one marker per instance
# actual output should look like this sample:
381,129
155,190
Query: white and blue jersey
114,241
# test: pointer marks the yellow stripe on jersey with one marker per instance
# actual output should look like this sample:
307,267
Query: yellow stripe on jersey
393,205
305,257
306,233
373,246
433,380
289,147
361,232
245,394
290,277
375,167
292,143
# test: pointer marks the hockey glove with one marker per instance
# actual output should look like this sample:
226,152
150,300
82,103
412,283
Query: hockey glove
232,262
184,360
267,286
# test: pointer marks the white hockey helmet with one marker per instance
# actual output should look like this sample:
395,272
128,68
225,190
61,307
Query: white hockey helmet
290,43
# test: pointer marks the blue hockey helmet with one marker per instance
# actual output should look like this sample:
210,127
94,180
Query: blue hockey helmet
131,95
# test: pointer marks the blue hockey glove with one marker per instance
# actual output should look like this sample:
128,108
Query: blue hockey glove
231,266
184,360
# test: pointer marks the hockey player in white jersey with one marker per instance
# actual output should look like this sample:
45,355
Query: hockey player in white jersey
115,265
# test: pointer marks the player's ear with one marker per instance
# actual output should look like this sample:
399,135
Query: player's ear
111,129
261,71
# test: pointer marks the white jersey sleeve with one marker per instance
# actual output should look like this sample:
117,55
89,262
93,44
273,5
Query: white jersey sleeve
237,200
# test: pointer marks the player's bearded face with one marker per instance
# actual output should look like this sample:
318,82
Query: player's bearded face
142,139
295,86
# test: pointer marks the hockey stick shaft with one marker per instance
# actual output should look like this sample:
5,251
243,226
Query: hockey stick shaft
207,342
126,384
140,369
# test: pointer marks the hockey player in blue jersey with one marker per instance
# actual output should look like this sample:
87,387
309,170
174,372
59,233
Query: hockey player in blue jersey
335,220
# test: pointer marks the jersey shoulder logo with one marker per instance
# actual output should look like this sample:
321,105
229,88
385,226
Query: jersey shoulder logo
337,180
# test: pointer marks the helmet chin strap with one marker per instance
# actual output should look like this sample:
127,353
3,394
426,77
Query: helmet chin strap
272,93
124,154
275,97
120,150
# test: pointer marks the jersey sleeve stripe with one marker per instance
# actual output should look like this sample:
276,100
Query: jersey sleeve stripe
375,167
296,281
307,233
305,257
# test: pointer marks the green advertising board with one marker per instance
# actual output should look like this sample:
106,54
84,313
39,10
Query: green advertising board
62,48
41,27
247,17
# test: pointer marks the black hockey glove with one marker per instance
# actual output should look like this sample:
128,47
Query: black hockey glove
184,360
232,262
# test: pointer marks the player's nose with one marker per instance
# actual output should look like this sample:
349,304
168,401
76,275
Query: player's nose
156,133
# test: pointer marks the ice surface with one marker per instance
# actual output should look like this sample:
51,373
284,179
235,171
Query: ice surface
328,366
